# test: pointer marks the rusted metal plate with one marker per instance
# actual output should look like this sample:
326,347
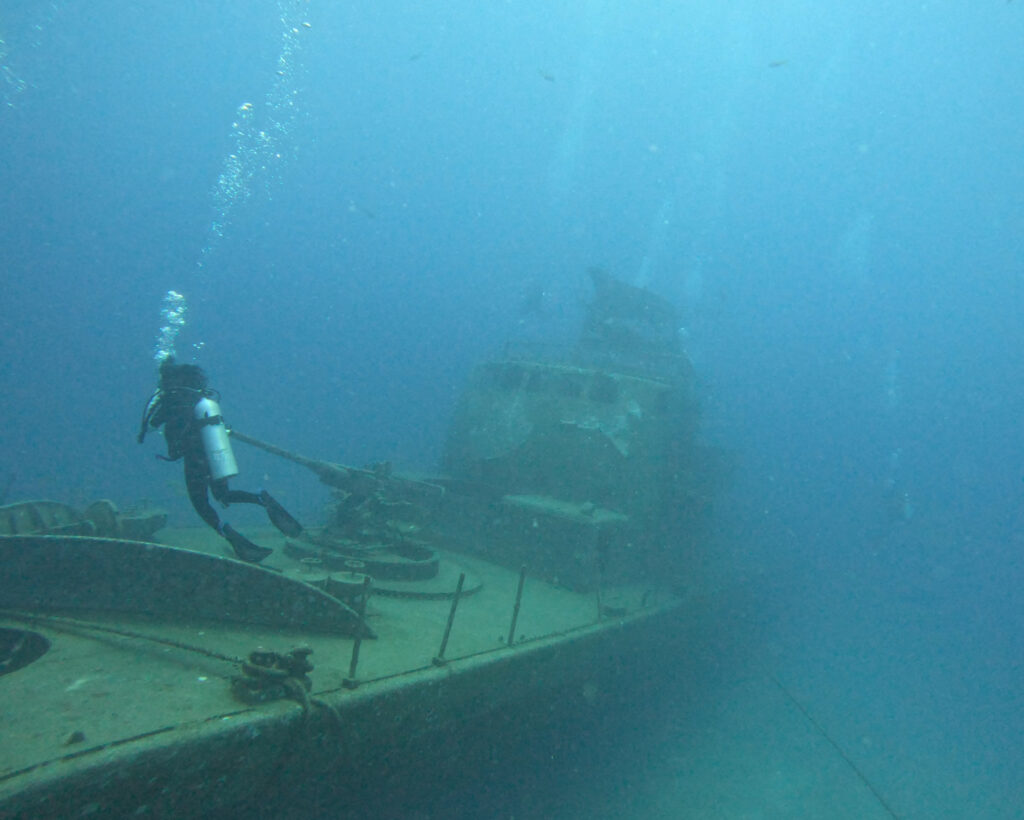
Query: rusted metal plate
40,572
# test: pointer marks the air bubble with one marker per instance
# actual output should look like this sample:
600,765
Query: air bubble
259,138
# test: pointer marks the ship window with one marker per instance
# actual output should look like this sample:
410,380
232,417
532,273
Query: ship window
19,648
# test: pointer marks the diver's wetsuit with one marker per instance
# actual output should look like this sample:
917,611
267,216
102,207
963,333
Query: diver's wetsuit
173,406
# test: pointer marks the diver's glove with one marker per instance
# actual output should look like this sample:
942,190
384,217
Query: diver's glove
279,516
245,549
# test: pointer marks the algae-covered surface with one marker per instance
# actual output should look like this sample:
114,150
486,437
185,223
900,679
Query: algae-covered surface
110,677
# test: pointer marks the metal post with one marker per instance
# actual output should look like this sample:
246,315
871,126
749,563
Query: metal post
439,660
350,682
515,611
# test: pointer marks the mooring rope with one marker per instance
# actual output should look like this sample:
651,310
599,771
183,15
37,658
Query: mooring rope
57,621
839,749
295,689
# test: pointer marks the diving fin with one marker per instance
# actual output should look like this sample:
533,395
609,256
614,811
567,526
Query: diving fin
279,516
245,549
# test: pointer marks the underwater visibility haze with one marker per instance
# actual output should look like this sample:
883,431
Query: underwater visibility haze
339,209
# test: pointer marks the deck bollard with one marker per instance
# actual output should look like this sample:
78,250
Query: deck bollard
439,660
350,682
515,611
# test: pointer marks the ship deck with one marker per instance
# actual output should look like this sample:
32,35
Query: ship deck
132,715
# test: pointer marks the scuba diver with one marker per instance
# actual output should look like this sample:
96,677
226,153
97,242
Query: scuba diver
194,429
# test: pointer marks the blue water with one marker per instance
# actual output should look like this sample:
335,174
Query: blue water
832,193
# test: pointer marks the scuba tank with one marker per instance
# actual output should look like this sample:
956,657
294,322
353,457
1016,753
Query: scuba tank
216,443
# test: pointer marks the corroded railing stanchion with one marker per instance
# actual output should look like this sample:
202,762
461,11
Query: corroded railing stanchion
439,659
515,610
350,682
